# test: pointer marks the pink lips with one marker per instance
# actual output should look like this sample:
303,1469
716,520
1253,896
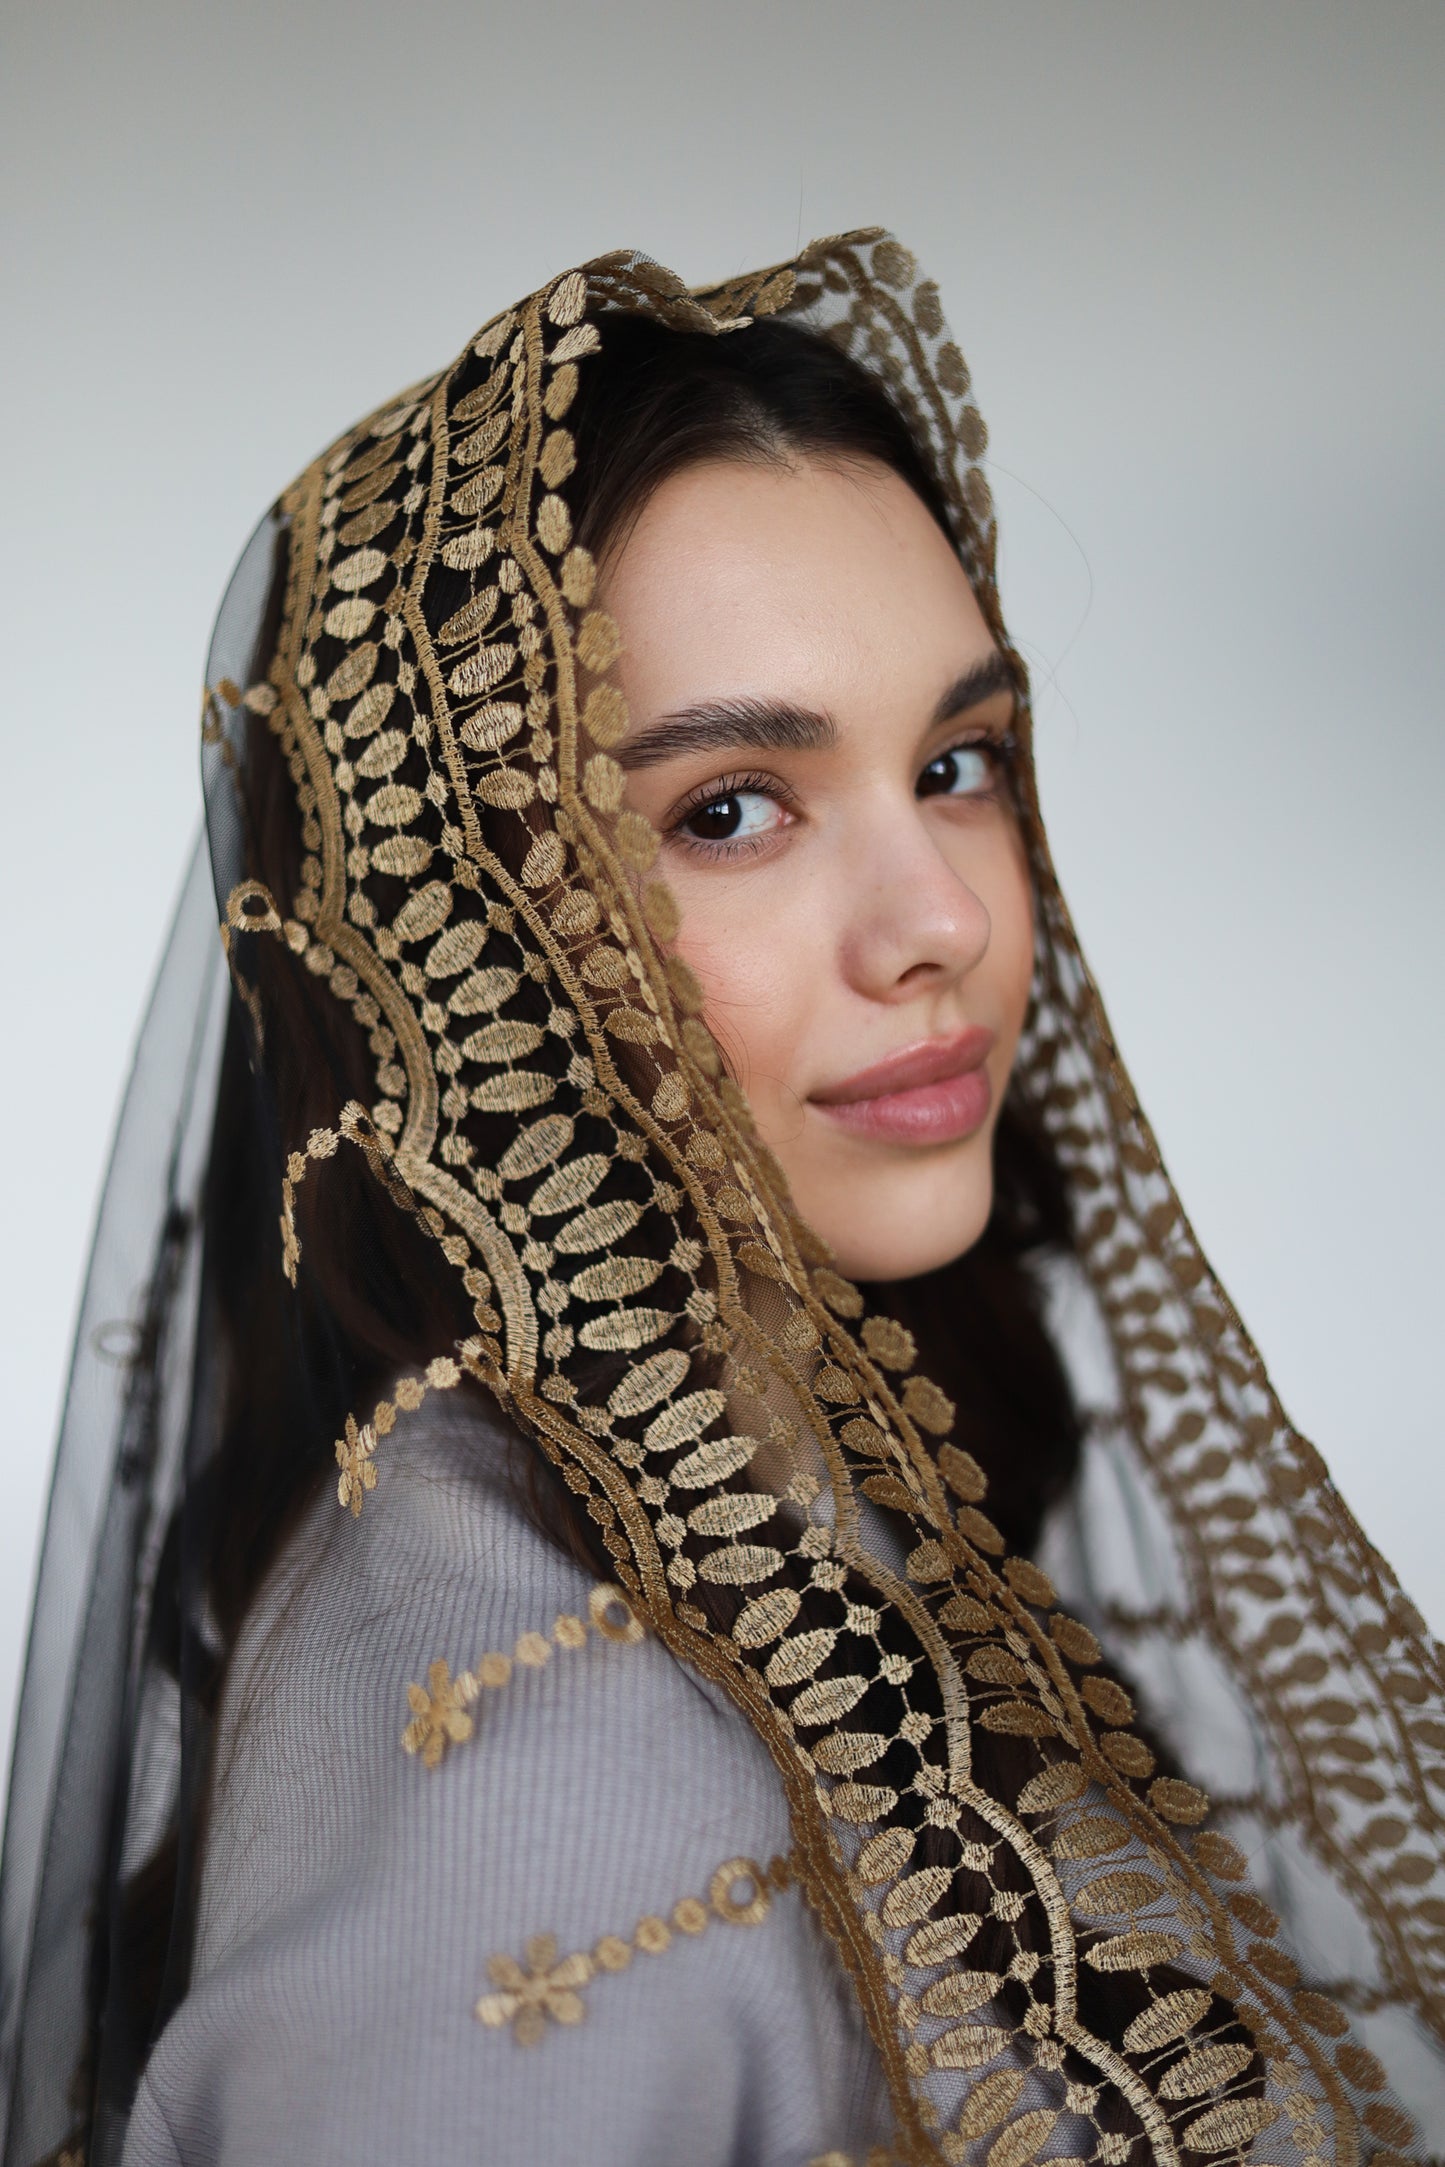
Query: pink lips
935,1093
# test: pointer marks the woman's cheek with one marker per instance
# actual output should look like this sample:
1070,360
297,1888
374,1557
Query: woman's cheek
755,994
1008,897
1023,945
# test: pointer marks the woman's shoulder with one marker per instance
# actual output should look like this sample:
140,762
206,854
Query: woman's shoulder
437,1667
474,1834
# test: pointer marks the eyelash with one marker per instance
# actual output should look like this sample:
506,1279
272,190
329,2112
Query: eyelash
726,786
1002,749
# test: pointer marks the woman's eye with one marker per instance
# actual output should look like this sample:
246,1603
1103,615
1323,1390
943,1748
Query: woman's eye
963,771
733,816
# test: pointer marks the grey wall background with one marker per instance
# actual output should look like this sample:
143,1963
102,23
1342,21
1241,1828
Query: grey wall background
1194,256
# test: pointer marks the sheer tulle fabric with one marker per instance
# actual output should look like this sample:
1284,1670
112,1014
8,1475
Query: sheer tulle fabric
1214,1931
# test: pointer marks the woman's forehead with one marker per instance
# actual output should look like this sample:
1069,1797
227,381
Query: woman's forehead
810,581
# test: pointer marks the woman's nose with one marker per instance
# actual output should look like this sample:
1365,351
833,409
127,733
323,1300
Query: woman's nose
911,920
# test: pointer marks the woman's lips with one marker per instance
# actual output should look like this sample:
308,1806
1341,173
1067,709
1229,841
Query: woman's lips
934,1093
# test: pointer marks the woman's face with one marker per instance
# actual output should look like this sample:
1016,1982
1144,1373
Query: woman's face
817,709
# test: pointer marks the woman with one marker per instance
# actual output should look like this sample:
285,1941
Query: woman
693,1564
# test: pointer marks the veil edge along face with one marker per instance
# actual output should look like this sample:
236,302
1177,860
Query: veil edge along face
544,1102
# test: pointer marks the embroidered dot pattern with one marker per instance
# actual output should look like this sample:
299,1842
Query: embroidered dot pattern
440,1709
546,1989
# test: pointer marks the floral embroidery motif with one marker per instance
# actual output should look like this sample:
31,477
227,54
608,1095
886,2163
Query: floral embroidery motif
740,1893
439,1708
355,1451
354,1456
439,1713
545,1989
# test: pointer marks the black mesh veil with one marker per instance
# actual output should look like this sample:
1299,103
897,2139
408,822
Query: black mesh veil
112,1731
97,1715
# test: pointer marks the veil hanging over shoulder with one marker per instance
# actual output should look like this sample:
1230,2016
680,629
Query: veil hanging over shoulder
1131,1849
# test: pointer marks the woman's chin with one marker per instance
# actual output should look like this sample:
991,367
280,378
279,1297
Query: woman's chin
902,1237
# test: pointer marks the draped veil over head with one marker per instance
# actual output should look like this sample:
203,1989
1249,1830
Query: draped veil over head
1131,1849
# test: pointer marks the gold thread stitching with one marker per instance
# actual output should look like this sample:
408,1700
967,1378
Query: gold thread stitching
440,1717
550,1987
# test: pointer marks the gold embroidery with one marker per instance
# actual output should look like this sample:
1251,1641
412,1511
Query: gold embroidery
545,1989
355,1451
320,1144
439,1717
740,1893
354,1457
613,1616
439,1713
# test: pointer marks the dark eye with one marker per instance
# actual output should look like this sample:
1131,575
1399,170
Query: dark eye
962,771
716,822
733,816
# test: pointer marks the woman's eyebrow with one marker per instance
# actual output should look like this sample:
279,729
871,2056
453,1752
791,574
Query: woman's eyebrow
722,725
756,725
993,674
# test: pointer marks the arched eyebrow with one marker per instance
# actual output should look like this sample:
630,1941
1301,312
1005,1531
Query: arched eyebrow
755,725
993,674
728,725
